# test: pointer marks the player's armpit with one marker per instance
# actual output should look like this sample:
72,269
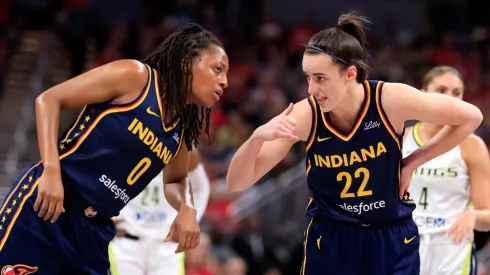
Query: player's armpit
477,159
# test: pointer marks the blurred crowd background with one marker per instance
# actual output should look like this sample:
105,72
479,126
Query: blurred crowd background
44,42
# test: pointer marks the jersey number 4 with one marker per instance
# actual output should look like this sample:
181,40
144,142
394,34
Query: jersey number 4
423,198
361,191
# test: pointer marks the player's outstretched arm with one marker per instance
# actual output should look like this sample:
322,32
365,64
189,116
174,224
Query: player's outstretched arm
268,145
120,81
201,187
475,154
402,102
178,192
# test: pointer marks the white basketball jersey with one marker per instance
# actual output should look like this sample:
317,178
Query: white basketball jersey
440,187
149,214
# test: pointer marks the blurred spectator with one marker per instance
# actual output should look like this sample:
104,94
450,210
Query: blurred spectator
201,261
233,266
249,243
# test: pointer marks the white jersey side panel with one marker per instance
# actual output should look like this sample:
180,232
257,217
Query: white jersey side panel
149,214
440,188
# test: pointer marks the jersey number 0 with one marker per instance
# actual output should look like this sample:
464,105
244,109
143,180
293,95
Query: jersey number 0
138,170
361,192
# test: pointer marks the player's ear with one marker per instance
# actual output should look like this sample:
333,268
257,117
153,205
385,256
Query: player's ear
351,73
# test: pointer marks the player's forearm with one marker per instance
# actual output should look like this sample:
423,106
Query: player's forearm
241,173
448,138
179,194
200,189
482,221
47,123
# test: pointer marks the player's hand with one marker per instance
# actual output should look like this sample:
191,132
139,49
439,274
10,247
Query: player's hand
463,228
405,178
50,195
185,229
280,126
120,231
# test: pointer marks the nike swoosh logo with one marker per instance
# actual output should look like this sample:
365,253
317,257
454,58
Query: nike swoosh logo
322,139
151,112
409,240
318,242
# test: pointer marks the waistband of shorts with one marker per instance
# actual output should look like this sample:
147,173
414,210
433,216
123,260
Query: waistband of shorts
361,225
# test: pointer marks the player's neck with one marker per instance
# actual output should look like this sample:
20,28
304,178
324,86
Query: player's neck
349,107
429,130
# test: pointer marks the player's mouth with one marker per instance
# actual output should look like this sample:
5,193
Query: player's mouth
321,99
218,94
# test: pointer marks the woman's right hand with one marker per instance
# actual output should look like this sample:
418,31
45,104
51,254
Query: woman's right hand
50,195
280,126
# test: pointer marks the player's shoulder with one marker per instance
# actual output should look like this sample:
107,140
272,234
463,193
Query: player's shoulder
473,142
302,107
129,67
124,71
472,146
127,74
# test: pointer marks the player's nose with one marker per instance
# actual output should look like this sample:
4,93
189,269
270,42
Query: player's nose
312,89
223,81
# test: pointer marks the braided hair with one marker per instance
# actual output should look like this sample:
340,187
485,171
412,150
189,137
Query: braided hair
173,61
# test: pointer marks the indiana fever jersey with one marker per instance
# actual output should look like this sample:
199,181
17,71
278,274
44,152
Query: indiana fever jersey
112,152
354,177
440,187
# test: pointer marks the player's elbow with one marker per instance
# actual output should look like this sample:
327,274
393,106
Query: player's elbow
46,99
476,115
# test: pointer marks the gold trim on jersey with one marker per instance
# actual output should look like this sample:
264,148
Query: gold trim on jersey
115,109
314,123
8,218
367,101
309,202
160,105
384,119
416,135
308,167
303,267
75,124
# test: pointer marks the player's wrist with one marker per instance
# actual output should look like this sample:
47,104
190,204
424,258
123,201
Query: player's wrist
188,207
256,138
52,167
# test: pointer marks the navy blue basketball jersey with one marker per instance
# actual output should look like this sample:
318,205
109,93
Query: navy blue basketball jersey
354,177
112,152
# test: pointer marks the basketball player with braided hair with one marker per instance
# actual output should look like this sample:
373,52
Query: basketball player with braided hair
138,119
360,211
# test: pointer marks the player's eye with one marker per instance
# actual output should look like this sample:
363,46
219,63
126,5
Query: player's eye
320,79
218,69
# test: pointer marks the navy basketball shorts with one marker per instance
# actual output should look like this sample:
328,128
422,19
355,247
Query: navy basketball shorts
75,244
333,248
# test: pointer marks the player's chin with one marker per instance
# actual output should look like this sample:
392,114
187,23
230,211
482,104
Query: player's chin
209,103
